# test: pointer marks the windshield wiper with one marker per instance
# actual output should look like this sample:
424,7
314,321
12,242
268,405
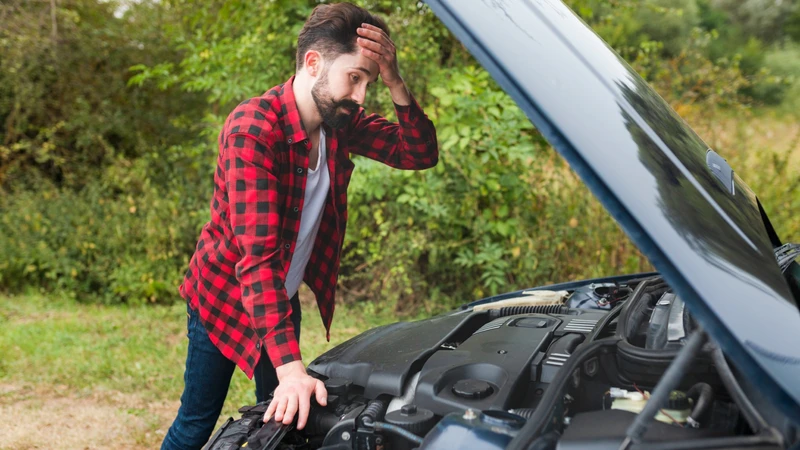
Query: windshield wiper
785,254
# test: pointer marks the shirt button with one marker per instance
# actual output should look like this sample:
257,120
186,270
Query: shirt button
289,140
295,209
258,345
299,170
287,245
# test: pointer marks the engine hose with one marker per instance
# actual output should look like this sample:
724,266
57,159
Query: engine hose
750,413
373,412
528,309
320,421
703,397
397,431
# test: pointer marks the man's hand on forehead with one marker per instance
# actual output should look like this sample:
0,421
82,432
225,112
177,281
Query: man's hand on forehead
376,45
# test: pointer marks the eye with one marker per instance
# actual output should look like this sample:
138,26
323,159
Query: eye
354,78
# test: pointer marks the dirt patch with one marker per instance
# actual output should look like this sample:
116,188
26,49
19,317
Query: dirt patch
58,417
28,317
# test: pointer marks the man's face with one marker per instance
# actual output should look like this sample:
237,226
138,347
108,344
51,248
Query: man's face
341,87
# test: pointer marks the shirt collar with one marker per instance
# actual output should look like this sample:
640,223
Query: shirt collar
293,130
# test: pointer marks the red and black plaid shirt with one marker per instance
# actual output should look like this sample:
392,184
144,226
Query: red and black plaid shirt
236,276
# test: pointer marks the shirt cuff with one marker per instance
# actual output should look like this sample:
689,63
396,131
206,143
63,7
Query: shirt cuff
282,347
410,113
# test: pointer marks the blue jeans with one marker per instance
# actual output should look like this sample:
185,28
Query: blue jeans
206,380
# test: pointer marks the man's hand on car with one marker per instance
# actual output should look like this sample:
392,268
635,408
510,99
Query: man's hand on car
293,394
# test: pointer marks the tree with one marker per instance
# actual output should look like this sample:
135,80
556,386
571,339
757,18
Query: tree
65,107
764,19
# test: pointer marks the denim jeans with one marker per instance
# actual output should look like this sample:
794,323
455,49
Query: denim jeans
206,380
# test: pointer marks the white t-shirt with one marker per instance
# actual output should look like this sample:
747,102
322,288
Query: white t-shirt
318,182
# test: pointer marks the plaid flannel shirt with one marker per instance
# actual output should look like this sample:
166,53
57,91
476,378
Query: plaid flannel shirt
236,275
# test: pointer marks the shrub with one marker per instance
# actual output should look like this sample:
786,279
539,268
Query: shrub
95,246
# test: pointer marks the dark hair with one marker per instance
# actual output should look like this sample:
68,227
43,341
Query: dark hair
331,30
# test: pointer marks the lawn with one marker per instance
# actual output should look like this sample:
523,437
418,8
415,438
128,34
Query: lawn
101,374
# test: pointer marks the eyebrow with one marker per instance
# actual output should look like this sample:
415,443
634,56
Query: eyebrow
366,71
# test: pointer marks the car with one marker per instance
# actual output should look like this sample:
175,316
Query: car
702,353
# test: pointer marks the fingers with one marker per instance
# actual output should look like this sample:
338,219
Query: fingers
291,409
377,35
371,45
270,410
374,33
322,393
293,397
281,409
375,29
377,57
302,414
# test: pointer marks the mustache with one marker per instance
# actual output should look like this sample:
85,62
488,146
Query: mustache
349,104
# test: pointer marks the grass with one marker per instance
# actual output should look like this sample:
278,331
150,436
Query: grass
54,344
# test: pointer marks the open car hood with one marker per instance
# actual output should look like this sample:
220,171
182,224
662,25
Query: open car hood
680,203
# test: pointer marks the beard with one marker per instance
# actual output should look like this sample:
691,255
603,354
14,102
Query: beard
328,107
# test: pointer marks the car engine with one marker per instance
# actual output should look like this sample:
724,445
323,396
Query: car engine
569,369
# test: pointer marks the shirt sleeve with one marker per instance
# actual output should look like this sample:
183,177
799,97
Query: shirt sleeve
252,187
408,144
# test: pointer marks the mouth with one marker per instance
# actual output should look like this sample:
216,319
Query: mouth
345,110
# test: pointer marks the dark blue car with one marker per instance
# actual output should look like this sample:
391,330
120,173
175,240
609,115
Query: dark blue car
705,353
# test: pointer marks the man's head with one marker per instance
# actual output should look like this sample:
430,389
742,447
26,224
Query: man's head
327,52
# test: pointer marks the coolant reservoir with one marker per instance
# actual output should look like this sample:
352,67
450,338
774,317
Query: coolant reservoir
678,408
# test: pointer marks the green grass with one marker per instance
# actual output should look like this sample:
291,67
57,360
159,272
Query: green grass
47,341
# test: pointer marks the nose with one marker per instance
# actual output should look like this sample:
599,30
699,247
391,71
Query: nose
359,94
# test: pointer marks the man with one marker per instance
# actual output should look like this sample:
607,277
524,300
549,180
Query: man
278,216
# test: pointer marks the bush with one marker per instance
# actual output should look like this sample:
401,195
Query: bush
94,246
668,21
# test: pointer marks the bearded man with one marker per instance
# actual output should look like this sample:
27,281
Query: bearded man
278,216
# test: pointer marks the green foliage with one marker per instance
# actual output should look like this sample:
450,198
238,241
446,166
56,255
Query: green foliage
763,19
64,107
226,58
668,21
783,64
109,118
91,245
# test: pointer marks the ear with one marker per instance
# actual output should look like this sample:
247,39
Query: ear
313,63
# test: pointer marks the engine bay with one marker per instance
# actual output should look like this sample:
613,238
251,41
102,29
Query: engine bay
545,369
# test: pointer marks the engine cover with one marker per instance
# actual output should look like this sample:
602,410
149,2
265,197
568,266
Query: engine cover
464,360
500,364
380,360
488,369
